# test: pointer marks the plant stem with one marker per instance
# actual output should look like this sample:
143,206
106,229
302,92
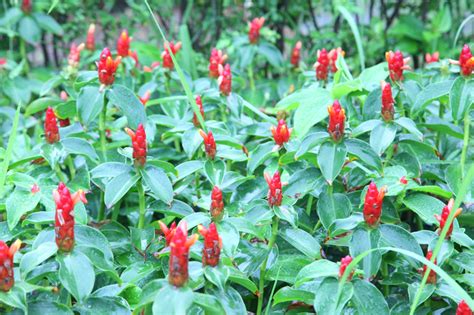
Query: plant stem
467,125
59,173
101,214
250,74
263,268
385,275
116,211
141,204
23,55
309,205
103,140
70,165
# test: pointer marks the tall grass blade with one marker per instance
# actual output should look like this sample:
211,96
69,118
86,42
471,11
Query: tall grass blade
8,152
458,33
355,30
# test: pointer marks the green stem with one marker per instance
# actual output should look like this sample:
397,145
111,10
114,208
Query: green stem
385,275
103,140
263,268
60,174
70,165
116,210
251,79
309,205
23,55
101,214
141,205
467,125
438,134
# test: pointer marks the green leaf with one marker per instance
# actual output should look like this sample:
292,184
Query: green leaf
326,302
158,183
173,300
368,300
363,240
310,141
396,236
302,241
382,137
318,269
110,169
461,96
430,93
217,275
130,105
18,203
79,146
287,294
191,141
371,77
214,171
259,156
286,213
331,158
35,257
409,125
210,304
29,30
90,102
104,305
425,294
119,186
425,206
76,274
331,207
240,278
271,53
364,152
41,104
230,299
48,307
47,23
15,297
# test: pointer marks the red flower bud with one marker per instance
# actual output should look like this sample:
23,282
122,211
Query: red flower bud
217,204
321,65
432,276
225,79
63,95
274,189
179,252
153,66
373,204
332,55
107,67
3,62
444,218
123,44
403,180
138,144
7,279
295,55
337,118
209,144
90,39
212,245
26,6
281,134
254,29
342,268
396,65
165,55
35,188
51,130
168,232
430,58
75,55
145,98
216,59
201,110
463,309
387,102
466,61
64,218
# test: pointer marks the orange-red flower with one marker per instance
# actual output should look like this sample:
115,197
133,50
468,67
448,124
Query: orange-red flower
281,134
465,62
373,204
275,194
333,53
123,44
337,118
396,65
444,217
75,55
322,64
201,110
342,268
225,79
432,276
168,232
387,102
138,144
166,56
212,245
296,54
209,144
90,39
107,67
430,58
51,130
217,203
7,279
179,255
145,98
463,309
254,29
217,58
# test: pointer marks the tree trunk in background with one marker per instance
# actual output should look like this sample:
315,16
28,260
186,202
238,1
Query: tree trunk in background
280,27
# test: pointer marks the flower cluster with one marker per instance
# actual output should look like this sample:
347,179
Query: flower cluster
275,195
179,255
337,118
333,53
51,130
90,38
465,62
166,56
217,203
430,58
296,54
217,58
7,279
212,245
254,29
373,204
342,268
123,44
388,110
322,65
64,218
26,6
138,144
209,144
107,67
463,309
201,110
281,134
432,275
444,217
225,79
75,55
396,65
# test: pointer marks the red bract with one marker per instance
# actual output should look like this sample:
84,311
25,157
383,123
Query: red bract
337,118
165,55
254,29
295,54
7,279
444,217
145,98
274,189
322,64
342,268
154,65
209,144
396,64
432,276
430,58
107,67
403,180
26,6
90,39
123,44
212,245
281,134
51,130
64,218
217,203
168,232
225,79
387,102
138,144
466,61
201,110
178,265
3,62
463,309
373,204
75,55
134,56
332,55
216,59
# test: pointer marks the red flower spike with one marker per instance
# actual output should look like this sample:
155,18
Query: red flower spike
281,134
295,54
396,65
138,144
225,79
432,276
75,55
332,55
201,110
7,279
217,203
373,204
123,44
342,268
388,111
216,59
322,64
165,55
51,130
403,180
90,39
154,65
254,29
430,58
274,189
168,232
337,118
64,218
463,309
179,253
212,245
145,98
444,217
466,61
209,144
107,67
26,6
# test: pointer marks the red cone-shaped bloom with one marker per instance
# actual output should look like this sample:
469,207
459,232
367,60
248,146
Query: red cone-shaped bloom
216,59
201,110
332,55
217,203
225,79
212,245
145,98
430,58
463,309
432,276
275,195
209,144
107,67
296,54
7,279
168,232
254,29
90,39
444,217
322,64
396,65
179,252
466,61
75,55
166,56
373,204
281,134
337,118
388,111
123,44
138,144
342,268
51,130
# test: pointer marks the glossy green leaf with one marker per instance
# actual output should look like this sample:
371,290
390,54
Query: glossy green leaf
331,158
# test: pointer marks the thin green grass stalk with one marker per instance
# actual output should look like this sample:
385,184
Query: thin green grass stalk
458,33
273,292
355,30
9,150
141,204
166,99
467,128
